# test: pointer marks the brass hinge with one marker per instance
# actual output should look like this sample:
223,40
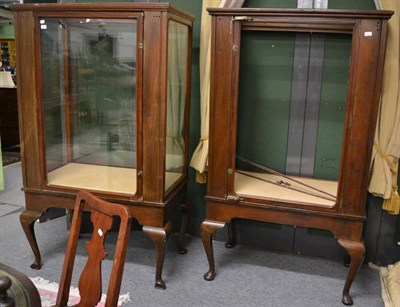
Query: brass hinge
239,18
232,197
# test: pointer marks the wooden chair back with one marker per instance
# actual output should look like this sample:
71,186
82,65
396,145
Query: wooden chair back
90,281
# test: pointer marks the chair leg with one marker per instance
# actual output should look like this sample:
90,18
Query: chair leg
207,229
159,237
356,251
27,219
184,221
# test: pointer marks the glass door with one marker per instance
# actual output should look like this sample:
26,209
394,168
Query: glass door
291,114
177,100
89,102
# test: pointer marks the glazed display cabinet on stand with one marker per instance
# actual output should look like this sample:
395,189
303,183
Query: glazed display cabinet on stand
299,91
103,93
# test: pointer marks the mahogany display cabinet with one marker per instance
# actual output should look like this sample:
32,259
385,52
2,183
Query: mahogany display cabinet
103,96
255,171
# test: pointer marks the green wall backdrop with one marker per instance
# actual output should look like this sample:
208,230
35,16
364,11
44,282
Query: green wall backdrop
7,31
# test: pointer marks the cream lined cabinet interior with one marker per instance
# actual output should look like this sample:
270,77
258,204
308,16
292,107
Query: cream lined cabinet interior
104,92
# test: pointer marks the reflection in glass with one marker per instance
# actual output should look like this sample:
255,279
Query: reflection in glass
89,102
176,99
271,81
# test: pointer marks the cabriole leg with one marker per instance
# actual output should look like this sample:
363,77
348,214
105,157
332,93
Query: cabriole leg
28,219
159,237
207,229
231,236
356,251
185,217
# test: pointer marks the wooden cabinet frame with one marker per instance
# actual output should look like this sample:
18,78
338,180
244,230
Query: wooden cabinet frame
152,205
345,219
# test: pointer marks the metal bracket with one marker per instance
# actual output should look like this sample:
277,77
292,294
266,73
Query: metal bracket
239,18
232,197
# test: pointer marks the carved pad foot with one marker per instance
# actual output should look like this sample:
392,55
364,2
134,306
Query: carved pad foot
347,300
160,284
230,244
209,276
36,266
182,251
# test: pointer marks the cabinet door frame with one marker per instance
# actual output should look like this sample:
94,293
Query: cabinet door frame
138,17
367,55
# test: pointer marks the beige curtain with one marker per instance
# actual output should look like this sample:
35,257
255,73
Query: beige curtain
386,153
176,93
200,156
